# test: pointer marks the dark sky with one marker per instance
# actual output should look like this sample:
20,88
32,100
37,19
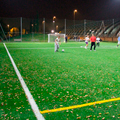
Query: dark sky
87,9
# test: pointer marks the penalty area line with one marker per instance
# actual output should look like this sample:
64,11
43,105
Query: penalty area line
26,90
79,106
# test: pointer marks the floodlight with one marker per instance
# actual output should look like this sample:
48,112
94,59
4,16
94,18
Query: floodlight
52,31
54,17
75,10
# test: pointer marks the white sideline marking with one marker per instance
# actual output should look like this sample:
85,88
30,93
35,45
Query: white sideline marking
26,90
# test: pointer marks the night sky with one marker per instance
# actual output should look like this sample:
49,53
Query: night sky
87,9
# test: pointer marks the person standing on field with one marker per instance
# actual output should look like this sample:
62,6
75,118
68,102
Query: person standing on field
93,40
79,38
118,39
66,38
57,40
86,41
98,41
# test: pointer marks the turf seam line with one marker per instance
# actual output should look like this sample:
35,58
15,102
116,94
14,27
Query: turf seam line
26,90
79,106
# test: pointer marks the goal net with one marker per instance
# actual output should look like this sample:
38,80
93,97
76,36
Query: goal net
52,37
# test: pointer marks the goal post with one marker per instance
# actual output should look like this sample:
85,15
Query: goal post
52,37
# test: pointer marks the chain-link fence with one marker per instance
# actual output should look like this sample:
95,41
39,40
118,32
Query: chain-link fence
25,29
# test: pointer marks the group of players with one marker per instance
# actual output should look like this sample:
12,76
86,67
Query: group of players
92,39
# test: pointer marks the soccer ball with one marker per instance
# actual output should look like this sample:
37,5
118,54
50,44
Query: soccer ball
62,50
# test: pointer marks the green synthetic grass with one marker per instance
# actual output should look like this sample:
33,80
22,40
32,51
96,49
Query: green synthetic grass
13,102
76,76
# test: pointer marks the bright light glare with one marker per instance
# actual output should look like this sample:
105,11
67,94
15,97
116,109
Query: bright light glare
54,17
75,10
52,31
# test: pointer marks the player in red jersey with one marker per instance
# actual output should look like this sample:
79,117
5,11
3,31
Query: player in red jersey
93,40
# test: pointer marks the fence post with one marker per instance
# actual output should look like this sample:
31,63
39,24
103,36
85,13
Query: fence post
65,26
84,27
21,27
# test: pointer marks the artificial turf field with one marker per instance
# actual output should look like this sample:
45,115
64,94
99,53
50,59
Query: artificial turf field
60,79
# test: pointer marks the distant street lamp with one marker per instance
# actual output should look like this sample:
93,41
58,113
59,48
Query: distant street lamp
74,20
54,22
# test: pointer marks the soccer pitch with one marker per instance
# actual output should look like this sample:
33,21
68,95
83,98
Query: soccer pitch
56,80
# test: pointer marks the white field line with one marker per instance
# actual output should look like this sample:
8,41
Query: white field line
43,48
26,90
31,48
101,47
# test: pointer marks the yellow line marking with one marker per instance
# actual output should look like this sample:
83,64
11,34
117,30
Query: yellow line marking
79,106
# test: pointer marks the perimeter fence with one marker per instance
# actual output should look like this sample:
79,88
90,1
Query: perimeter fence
26,29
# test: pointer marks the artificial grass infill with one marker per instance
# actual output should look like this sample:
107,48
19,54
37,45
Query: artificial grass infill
76,76
14,104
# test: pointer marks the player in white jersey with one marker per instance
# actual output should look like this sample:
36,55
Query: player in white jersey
86,41
57,40
98,41
118,39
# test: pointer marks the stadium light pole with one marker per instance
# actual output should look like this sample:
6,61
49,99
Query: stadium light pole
65,27
32,31
56,28
44,28
74,20
8,31
8,27
54,22
21,27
